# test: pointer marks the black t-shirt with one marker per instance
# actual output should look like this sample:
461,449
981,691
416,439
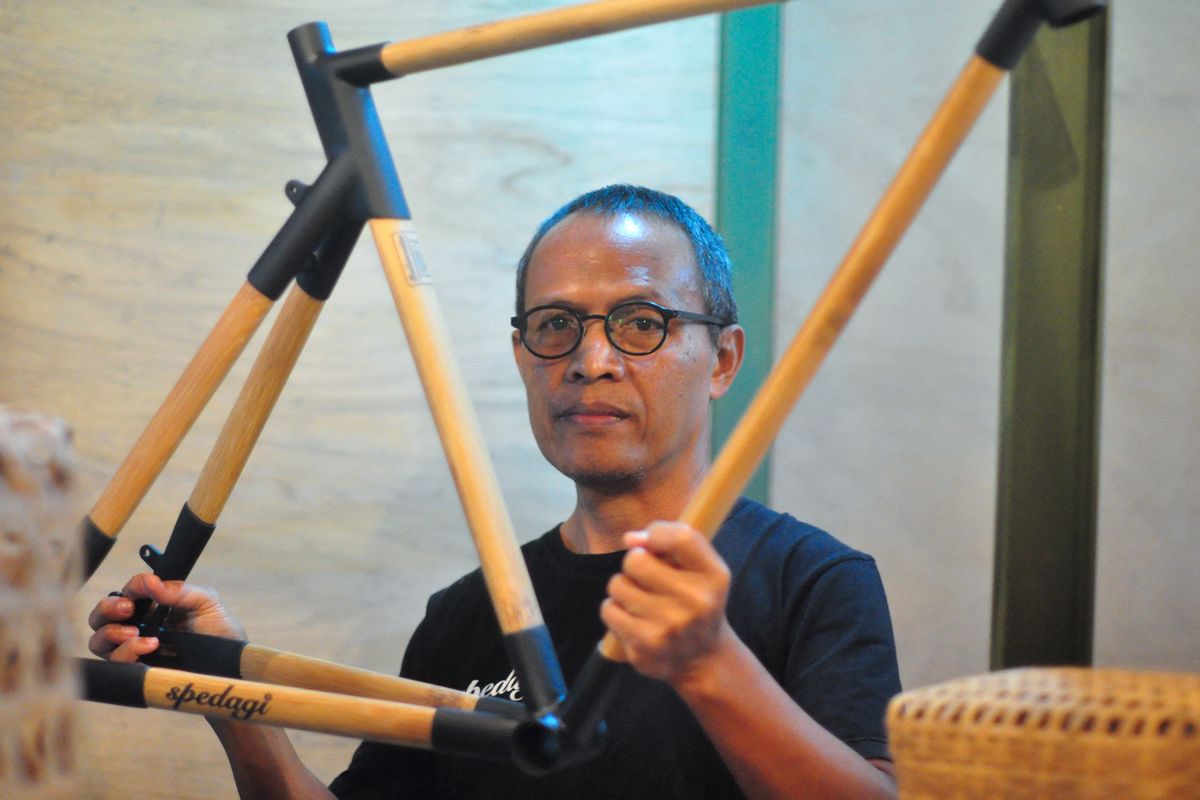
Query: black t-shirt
811,609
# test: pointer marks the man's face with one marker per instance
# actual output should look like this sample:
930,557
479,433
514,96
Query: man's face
601,417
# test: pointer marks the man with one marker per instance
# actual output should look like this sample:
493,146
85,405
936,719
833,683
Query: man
764,660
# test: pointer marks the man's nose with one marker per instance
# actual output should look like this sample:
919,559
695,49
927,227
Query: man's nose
596,358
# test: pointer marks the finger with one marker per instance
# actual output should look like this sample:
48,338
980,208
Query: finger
109,610
144,585
653,619
176,594
658,576
679,544
120,643
635,599
108,637
634,633
649,570
134,649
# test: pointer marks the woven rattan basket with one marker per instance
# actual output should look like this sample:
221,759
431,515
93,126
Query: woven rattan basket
1050,733
37,568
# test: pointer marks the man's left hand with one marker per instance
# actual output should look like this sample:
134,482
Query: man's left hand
667,605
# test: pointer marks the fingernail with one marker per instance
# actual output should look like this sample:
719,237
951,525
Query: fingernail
124,604
129,631
637,536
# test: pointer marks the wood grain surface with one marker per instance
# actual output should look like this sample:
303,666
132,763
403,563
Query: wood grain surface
144,149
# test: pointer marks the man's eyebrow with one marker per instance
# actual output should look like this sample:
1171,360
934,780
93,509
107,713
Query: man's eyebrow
639,297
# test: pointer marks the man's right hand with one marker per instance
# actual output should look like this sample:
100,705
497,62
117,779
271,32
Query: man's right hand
195,609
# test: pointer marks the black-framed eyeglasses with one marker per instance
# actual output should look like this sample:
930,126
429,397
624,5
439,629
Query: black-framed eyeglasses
636,328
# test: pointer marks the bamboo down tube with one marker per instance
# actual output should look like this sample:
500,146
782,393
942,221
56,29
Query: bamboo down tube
500,558
543,28
752,437
179,411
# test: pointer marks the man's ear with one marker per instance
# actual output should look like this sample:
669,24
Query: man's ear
731,348
522,358
517,347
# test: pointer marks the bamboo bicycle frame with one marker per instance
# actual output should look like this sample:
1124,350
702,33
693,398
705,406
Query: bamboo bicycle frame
359,187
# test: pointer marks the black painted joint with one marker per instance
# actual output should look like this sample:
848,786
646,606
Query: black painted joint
1014,26
361,66
346,119
536,666
324,266
187,542
501,707
294,191
583,713
96,544
359,181
531,744
116,684
319,208
195,652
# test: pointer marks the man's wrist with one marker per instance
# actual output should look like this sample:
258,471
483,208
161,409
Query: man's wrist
708,676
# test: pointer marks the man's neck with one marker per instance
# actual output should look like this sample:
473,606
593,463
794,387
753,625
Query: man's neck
601,519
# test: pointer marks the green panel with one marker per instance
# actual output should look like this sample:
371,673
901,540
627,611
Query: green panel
747,130
1046,504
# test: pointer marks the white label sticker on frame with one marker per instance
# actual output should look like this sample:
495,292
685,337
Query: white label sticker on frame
414,264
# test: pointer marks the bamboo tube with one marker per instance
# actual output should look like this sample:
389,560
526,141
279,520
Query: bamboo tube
541,29
289,669
478,489
254,404
286,706
179,410
752,437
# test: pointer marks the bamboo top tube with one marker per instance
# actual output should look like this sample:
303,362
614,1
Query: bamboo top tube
541,29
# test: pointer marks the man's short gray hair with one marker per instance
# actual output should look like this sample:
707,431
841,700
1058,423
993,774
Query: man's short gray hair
716,272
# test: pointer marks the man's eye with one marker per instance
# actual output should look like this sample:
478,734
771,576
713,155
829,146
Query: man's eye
559,322
643,322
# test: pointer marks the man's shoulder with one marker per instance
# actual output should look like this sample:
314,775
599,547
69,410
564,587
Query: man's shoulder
756,533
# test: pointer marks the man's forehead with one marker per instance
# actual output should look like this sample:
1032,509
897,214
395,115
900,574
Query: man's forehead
583,231
645,243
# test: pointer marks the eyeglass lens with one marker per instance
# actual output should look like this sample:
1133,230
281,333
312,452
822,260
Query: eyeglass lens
633,328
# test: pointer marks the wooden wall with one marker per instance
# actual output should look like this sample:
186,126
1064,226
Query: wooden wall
143,152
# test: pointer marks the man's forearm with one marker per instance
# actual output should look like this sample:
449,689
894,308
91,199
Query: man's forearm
264,763
773,748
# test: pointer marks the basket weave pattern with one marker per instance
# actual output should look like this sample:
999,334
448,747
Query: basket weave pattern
1050,733
37,569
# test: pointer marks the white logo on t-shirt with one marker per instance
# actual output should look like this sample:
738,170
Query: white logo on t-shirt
509,687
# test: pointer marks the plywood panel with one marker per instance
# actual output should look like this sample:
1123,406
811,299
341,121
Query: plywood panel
143,152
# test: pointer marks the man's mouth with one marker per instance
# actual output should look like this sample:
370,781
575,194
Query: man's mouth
592,414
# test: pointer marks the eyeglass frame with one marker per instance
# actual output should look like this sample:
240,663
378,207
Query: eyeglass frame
520,322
